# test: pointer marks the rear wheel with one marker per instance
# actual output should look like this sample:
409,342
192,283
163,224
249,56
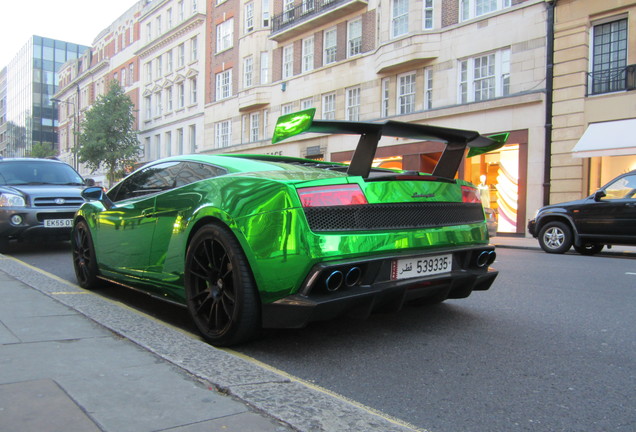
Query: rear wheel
589,248
555,237
84,260
220,290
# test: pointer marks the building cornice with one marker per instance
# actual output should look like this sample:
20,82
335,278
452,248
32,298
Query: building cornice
166,38
87,73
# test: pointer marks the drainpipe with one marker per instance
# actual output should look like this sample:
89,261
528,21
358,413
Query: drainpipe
549,87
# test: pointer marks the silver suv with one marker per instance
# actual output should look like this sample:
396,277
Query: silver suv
38,198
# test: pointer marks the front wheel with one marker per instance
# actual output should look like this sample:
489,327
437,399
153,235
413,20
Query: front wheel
589,248
555,237
221,293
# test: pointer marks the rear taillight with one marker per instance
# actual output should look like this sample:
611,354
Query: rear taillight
337,195
470,195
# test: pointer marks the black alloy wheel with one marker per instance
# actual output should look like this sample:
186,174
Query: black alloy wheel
84,261
555,237
220,290
589,248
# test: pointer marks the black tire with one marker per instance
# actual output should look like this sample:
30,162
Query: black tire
84,260
589,248
555,237
220,290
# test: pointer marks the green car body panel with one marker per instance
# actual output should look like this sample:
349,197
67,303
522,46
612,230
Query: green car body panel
142,241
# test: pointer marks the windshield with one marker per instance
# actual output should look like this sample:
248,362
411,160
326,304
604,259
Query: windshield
38,173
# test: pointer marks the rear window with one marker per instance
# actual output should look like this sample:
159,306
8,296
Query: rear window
38,173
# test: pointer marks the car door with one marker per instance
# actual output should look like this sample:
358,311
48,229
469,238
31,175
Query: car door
125,231
172,212
613,212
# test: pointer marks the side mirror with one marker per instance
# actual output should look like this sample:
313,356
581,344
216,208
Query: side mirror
599,194
96,193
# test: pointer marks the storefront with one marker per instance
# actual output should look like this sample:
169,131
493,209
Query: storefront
501,174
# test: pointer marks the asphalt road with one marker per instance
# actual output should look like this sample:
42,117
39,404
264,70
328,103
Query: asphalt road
551,347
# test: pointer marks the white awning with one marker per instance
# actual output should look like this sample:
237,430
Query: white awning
612,138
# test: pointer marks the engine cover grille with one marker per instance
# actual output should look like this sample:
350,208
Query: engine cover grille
392,216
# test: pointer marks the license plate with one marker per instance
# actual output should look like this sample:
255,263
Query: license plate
421,266
58,223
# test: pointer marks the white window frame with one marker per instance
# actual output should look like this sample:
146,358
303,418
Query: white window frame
169,63
168,143
265,13
264,67
255,126
329,106
428,15
469,9
308,54
158,105
148,103
193,91
307,103
180,141
399,18
225,35
169,100
428,88
180,95
249,17
223,84
330,46
193,138
406,90
352,103
354,37
484,77
223,134
385,89
181,55
248,71
194,49
287,109
288,61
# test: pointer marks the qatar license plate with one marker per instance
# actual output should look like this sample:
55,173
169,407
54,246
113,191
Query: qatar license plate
58,223
421,266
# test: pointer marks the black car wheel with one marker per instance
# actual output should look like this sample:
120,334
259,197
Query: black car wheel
589,248
220,290
84,260
555,237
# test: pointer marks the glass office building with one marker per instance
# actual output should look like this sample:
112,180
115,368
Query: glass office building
31,82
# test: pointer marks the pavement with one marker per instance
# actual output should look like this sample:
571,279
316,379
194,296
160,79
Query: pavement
71,360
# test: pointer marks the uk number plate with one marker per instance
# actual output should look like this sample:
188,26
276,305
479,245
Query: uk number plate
58,223
421,266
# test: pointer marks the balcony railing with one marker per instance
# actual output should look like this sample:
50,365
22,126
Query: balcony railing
306,11
611,80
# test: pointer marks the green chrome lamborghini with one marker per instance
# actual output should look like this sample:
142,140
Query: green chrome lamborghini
247,241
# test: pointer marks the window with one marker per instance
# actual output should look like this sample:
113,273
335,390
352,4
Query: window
264,67
169,61
427,19
193,90
330,46
484,77
180,95
288,10
195,6
180,141
169,16
194,53
353,104
224,84
249,17
181,54
399,18
306,103
123,78
222,134
287,109
265,13
158,67
385,97
158,107
354,38
308,54
148,32
148,104
329,106
254,127
609,57
469,9
158,28
428,88
308,6
181,9
158,145
248,71
149,72
193,138
169,99
288,61
131,73
225,35
168,143
406,93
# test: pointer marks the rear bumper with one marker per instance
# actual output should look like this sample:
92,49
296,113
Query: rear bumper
376,290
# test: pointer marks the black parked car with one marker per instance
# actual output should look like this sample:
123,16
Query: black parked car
607,217
38,198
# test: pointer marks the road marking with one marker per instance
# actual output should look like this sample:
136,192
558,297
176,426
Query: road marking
630,273
68,292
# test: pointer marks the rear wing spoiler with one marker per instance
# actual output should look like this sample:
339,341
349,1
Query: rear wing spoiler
457,140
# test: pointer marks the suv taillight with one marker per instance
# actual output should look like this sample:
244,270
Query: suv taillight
470,195
336,195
